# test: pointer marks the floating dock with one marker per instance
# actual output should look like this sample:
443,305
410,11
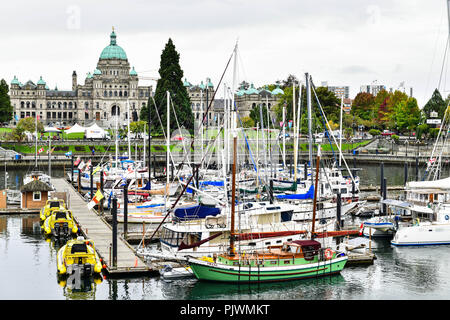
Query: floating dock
96,228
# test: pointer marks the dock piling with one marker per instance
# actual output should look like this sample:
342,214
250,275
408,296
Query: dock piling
406,172
91,176
381,177
114,232
125,209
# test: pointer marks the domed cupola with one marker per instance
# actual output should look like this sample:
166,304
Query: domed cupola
133,72
113,51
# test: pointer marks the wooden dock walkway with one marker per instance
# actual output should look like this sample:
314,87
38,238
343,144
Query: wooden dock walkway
96,228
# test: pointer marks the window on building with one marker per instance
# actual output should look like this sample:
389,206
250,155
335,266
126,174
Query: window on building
36,196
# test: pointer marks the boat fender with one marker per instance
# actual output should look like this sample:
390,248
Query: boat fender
446,217
328,253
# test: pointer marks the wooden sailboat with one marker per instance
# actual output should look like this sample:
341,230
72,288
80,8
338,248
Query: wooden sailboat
291,261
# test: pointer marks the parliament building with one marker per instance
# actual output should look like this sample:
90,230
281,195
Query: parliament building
102,98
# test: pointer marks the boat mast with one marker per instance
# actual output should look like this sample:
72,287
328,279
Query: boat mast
293,128
128,134
117,136
297,126
201,125
233,194
35,151
310,139
233,176
315,193
340,131
284,136
168,148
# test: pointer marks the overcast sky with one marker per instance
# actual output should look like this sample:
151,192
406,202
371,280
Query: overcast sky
347,42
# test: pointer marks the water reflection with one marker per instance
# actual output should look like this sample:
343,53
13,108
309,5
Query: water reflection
314,288
83,288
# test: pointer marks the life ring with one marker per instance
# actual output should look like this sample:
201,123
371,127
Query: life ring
328,253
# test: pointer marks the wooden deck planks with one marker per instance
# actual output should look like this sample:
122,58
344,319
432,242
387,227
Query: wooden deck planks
96,228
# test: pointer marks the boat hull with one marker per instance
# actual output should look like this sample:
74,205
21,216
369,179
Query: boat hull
210,271
423,235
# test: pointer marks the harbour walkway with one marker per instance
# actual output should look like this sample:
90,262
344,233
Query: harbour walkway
96,228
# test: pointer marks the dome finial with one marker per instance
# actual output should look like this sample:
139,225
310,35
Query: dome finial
113,38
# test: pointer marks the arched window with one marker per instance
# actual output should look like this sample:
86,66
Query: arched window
120,93
28,104
65,105
125,93
70,105
59,105
105,93
115,93
110,93
115,108
22,104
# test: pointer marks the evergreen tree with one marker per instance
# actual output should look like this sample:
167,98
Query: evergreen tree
436,103
170,80
6,110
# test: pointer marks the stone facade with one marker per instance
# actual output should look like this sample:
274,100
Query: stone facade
102,97
245,99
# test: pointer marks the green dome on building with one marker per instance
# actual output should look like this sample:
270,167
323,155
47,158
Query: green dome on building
186,83
251,90
15,81
96,71
133,72
113,51
41,81
277,90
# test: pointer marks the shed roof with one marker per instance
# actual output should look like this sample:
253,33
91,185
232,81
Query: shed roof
35,185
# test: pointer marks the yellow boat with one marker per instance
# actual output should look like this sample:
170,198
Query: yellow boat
78,253
60,223
50,206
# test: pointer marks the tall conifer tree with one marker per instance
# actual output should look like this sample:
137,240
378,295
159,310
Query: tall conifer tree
6,110
170,80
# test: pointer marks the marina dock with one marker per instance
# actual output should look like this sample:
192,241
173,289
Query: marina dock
96,228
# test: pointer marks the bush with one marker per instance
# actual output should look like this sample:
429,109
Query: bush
374,132
395,137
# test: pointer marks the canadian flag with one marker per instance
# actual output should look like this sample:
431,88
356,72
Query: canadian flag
40,150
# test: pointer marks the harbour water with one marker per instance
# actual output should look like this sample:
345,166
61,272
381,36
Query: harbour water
28,270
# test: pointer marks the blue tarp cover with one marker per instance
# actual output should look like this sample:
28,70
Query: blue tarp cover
196,212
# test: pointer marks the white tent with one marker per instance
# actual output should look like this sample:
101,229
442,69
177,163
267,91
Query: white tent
95,132
51,129
75,129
